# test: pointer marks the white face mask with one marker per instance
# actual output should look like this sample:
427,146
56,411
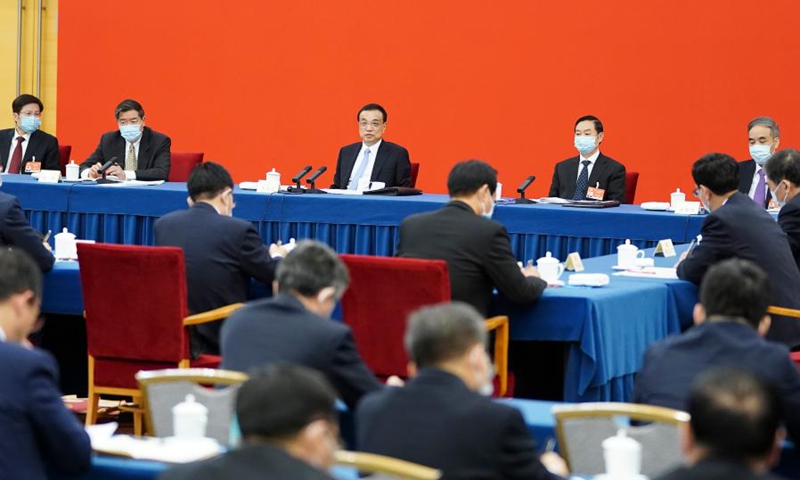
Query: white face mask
760,153
585,143
491,208
780,203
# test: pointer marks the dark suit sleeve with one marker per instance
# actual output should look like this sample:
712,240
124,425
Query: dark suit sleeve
616,185
506,275
161,163
61,437
50,160
255,258
518,455
554,184
714,246
95,157
17,232
337,176
641,388
403,171
349,374
789,389
789,220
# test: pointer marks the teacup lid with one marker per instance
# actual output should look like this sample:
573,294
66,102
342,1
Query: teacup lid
627,246
677,190
548,258
190,406
621,441
65,234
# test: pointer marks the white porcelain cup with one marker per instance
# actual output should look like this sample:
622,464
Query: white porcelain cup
550,269
622,456
273,182
627,253
189,419
73,171
676,198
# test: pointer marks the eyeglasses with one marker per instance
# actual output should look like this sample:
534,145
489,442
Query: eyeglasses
696,192
30,114
134,121
374,124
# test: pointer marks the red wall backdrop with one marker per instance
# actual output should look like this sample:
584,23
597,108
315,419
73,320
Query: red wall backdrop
257,84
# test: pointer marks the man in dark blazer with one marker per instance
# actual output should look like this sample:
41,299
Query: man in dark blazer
21,144
15,231
373,159
141,152
38,432
295,325
783,180
764,136
731,320
477,249
287,416
734,432
221,253
443,418
738,227
572,177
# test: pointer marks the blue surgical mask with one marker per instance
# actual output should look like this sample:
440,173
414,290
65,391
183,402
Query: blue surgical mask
130,133
585,143
29,123
760,153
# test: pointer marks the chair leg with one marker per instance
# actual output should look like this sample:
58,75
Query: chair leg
92,404
137,423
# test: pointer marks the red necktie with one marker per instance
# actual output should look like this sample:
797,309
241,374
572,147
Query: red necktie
16,157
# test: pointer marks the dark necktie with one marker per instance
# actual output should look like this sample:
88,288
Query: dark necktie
583,182
16,157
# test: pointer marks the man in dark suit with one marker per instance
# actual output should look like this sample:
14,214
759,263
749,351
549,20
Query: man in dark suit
734,433
38,432
15,231
764,136
731,319
442,418
141,152
295,325
373,159
783,180
21,144
574,176
221,253
287,417
738,227
477,249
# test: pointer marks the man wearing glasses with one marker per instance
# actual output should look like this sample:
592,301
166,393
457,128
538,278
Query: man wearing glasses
19,146
373,159
141,152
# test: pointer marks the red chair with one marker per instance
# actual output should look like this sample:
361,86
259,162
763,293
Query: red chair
64,151
181,165
414,173
383,292
631,179
136,317
787,312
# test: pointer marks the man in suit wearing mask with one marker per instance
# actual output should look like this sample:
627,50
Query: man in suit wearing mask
764,136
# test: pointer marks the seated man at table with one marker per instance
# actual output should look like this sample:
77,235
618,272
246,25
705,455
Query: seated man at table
735,430
764,136
21,144
295,325
373,159
731,320
38,432
573,177
738,227
221,253
289,426
477,249
783,180
15,231
443,417
141,152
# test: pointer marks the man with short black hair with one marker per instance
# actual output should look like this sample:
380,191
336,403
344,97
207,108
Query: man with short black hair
764,136
573,177
141,152
289,427
783,180
295,325
38,432
443,417
477,249
19,146
734,432
221,253
738,227
373,159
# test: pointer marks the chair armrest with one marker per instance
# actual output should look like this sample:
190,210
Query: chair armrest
212,315
787,312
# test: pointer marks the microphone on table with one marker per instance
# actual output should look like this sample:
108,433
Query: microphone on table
102,170
521,190
296,179
312,180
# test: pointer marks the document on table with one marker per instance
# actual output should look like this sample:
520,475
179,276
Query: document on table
555,200
667,273
133,183
339,191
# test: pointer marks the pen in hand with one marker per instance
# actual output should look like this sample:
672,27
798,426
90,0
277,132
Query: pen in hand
47,236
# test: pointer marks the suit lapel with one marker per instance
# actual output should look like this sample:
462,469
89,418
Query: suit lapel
380,159
5,145
349,158
597,170
144,149
33,143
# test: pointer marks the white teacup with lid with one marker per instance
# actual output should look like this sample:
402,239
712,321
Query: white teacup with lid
66,247
622,456
189,419
627,253
73,171
676,198
550,269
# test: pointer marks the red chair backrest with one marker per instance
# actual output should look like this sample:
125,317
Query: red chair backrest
181,165
135,302
383,291
64,151
414,174
631,179
795,358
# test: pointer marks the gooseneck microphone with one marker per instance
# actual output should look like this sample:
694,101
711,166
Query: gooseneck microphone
521,190
313,178
296,179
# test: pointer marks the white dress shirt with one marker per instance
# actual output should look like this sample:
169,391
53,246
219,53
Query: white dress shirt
754,184
589,167
373,152
27,137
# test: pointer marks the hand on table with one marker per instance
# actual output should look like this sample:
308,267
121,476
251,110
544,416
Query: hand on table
116,171
276,250
530,271
395,381
554,463
47,246
682,258
93,170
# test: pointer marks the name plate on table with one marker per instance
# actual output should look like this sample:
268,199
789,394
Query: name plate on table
666,248
574,262
687,208
49,176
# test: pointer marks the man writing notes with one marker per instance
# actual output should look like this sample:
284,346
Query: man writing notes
764,136
142,153
19,146
738,227
373,159
573,177
783,180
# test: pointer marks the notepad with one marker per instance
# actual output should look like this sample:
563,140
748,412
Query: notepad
666,273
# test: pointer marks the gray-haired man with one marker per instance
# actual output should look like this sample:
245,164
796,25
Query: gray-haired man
764,136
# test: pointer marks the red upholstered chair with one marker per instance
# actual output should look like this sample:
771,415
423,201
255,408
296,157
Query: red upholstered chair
383,292
181,165
787,312
414,173
631,180
136,317
64,151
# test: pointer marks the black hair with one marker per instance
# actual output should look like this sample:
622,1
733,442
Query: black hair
718,172
468,176
373,106
25,99
598,125
127,105
443,332
309,268
18,274
207,180
784,164
736,288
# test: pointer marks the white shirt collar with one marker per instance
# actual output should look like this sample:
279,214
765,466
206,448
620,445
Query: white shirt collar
26,135
593,158
373,149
